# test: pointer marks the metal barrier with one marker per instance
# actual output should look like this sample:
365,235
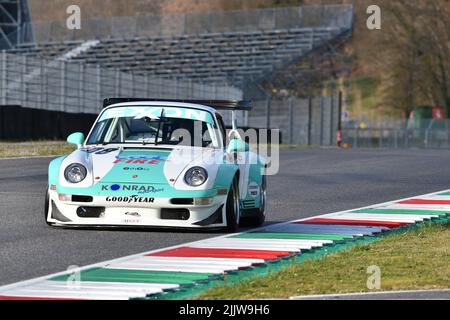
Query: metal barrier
57,85
398,138
67,87
312,121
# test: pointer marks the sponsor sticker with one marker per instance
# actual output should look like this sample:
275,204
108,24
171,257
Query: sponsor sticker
140,189
253,189
131,221
132,199
139,160
155,112
134,214
135,169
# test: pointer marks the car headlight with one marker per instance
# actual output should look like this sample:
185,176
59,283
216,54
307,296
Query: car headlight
75,173
196,176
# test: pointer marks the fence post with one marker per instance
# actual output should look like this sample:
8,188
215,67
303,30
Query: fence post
177,89
395,138
147,91
268,107
321,119
23,95
63,86
309,120
406,137
45,83
291,120
4,74
381,138
99,85
42,75
339,120
331,117
81,87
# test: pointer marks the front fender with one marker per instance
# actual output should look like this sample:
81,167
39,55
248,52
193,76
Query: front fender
53,171
225,175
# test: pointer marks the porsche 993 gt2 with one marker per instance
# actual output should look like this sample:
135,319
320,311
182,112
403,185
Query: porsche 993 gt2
158,163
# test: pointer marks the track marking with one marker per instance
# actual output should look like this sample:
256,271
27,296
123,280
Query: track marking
208,259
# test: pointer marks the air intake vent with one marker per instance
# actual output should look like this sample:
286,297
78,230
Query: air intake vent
90,212
175,214
248,203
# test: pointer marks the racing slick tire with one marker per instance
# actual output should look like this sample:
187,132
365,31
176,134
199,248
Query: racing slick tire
233,212
256,217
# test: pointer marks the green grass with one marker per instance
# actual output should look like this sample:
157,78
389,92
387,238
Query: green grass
10,149
415,259
34,148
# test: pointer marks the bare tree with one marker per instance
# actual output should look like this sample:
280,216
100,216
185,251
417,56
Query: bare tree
414,54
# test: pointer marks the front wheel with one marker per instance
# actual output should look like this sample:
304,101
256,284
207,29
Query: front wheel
233,212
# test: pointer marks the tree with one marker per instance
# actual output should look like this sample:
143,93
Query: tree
414,53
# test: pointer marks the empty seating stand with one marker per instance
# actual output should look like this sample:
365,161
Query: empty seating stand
208,57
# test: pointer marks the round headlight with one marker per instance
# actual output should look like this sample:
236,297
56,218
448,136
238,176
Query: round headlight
75,173
196,176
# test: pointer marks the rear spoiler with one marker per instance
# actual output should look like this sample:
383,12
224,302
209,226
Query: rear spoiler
245,105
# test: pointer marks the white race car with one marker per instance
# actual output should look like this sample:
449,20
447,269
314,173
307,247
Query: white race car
158,164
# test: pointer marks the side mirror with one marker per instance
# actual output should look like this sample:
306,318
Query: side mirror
237,145
76,138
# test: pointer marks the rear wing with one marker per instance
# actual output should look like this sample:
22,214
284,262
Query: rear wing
245,105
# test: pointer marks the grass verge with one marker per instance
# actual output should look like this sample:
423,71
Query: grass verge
410,260
9,149
34,148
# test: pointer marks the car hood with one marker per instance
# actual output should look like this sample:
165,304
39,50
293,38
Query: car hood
135,165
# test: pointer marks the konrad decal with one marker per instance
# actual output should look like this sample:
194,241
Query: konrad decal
132,187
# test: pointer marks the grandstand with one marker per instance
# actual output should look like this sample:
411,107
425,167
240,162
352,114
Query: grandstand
210,57
223,55
232,57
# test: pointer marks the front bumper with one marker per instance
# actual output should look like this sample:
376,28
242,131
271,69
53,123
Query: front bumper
145,212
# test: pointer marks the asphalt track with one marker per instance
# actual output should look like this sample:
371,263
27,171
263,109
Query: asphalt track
310,182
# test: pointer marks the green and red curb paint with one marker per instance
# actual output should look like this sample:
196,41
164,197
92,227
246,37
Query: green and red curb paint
183,271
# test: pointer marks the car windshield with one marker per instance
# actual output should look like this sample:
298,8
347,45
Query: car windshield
155,126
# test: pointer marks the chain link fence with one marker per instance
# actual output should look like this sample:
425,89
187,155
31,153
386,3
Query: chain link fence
63,86
311,121
57,85
433,134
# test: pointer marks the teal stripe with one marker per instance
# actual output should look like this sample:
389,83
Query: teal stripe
293,236
138,276
403,211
